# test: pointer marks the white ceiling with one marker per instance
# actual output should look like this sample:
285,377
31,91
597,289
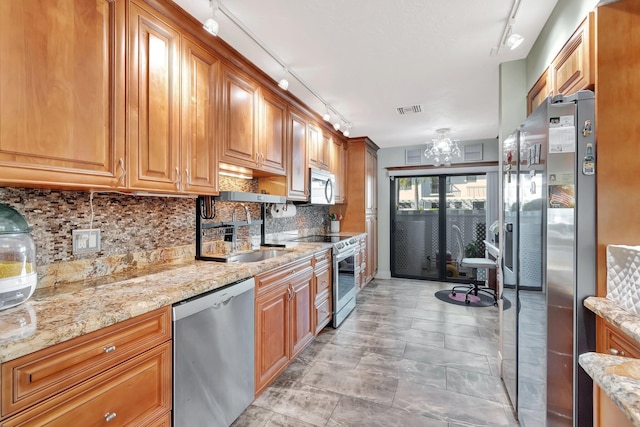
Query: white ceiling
368,57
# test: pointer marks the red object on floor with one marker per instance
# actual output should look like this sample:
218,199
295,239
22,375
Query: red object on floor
460,297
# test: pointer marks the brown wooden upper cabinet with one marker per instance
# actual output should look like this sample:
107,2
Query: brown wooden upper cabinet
162,101
253,123
338,168
298,173
63,108
571,70
318,147
272,151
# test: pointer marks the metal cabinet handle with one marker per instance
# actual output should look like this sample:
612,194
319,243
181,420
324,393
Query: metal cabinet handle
290,291
616,352
109,348
178,179
123,171
109,416
186,172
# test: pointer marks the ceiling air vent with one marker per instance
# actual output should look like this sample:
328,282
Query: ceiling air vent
411,109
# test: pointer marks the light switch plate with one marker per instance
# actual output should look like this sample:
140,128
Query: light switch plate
86,240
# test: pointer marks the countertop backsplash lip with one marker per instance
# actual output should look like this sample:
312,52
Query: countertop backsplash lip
610,311
73,309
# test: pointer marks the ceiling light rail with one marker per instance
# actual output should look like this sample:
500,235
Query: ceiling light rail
509,38
222,8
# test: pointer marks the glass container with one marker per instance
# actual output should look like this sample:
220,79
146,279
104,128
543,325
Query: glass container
18,277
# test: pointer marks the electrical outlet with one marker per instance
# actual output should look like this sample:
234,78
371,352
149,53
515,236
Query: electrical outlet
86,240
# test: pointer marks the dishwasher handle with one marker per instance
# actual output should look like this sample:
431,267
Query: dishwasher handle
214,299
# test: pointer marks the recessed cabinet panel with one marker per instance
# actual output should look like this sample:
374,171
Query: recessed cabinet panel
239,102
61,92
298,176
200,77
154,102
273,144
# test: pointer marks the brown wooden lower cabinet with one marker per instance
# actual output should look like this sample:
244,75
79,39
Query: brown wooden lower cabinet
605,412
611,340
121,374
322,278
283,316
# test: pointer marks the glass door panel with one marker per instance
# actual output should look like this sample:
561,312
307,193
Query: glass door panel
415,227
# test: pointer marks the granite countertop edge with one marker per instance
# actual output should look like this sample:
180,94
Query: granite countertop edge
52,316
619,378
614,314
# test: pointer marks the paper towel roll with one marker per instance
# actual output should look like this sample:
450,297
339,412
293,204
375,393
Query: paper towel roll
279,210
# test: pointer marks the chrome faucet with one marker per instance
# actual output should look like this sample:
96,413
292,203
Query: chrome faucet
246,210
234,237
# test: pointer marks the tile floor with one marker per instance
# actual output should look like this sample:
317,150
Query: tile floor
403,358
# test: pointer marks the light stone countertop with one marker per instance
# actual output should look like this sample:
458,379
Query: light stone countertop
611,312
54,315
618,377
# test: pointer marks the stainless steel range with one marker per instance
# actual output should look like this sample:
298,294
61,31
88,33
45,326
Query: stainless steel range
344,270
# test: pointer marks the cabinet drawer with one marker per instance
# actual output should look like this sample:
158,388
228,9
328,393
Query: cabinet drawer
323,281
37,376
136,392
616,343
323,257
273,278
323,314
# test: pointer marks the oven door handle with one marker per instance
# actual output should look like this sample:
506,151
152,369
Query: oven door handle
344,255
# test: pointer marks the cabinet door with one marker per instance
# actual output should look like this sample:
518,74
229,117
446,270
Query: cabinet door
371,170
540,91
301,312
572,69
272,335
371,225
611,340
62,93
338,168
200,82
273,143
298,176
324,151
154,102
239,112
313,145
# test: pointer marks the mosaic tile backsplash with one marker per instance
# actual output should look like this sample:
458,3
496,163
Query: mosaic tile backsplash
135,231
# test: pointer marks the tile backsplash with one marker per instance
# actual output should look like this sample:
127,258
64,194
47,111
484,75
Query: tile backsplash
136,231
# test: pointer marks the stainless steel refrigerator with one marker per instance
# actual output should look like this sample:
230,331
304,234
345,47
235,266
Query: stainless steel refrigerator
549,258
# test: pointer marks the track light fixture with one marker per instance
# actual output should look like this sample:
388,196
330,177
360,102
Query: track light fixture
347,131
211,25
283,83
327,115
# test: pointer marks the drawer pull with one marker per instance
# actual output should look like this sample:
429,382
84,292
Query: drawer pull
616,352
109,416
109,349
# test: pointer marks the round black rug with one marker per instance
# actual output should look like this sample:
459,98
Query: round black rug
482,300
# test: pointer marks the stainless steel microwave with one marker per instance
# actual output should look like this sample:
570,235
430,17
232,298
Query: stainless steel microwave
321,185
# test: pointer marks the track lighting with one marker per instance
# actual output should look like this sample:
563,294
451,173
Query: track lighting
327,115
347,131
211,25
284,83
514,41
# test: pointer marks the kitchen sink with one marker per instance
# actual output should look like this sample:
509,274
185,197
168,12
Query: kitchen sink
255,256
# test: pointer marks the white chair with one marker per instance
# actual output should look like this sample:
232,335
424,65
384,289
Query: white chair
476,285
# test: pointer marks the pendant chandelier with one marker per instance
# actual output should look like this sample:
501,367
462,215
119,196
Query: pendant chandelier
442,150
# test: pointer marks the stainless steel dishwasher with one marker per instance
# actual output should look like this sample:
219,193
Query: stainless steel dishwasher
213,340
